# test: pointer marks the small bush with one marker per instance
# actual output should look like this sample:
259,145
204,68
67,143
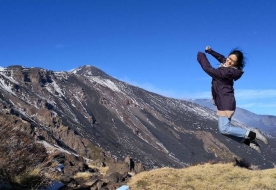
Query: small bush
242,163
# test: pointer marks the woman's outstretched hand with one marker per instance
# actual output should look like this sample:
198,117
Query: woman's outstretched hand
208,49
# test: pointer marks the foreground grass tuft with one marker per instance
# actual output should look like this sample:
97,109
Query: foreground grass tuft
207,176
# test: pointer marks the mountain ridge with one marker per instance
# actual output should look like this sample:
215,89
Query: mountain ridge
85,108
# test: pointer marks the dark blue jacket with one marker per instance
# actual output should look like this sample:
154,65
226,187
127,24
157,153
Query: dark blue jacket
222,81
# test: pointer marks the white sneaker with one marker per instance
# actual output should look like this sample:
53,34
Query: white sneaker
254,145
260,136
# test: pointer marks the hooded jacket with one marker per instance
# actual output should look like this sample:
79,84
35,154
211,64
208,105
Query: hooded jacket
222,83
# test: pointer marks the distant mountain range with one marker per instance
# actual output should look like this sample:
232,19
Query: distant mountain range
91,114
266,123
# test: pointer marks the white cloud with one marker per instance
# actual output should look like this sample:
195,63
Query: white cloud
253,94
149,87
262,105
199,95
240,94
264,108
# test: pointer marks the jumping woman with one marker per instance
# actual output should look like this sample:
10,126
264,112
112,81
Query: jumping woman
223,77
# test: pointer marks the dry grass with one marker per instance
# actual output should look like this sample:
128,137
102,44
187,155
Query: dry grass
27,177
26,180
33,177
83,175
102,170
202,177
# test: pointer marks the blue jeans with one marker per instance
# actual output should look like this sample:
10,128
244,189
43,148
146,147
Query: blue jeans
226,128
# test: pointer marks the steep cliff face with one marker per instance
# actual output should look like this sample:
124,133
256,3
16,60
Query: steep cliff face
97,116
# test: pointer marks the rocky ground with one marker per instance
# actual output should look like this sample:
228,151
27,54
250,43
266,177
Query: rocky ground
27,162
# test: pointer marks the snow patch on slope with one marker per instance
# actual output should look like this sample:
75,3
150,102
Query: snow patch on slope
52,148
52,87
106,82
5,86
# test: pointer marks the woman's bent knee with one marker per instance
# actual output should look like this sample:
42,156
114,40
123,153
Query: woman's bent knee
223,130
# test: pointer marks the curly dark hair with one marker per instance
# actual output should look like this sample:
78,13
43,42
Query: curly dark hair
241,59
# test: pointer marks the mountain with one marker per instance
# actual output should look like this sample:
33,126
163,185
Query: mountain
91,114
266,123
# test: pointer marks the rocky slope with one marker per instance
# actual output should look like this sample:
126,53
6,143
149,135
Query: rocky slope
91,114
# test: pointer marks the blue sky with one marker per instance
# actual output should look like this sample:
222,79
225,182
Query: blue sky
148,43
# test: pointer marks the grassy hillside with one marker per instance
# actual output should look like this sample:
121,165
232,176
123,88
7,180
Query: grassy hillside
207,176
